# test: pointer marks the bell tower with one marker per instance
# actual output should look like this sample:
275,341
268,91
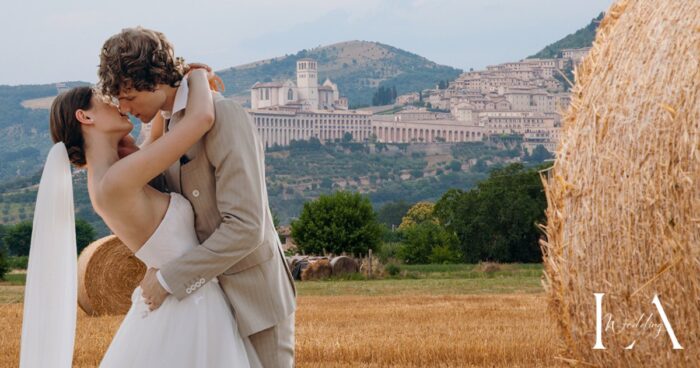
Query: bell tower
307,81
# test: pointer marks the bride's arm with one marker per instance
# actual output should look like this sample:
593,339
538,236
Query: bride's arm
155,130
136,170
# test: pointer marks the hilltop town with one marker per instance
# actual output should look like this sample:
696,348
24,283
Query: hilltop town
523,98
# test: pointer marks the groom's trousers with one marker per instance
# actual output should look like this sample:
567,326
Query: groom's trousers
274,346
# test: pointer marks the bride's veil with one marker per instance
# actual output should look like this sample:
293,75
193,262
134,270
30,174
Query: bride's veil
50,295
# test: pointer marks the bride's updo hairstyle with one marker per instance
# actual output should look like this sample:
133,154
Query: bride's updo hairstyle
65,127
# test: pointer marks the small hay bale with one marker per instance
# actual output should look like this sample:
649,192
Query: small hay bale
317,270
343,265
624,192
108,273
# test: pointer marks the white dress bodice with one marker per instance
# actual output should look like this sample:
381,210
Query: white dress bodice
173,237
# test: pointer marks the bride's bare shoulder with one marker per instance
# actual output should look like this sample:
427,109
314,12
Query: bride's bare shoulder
106,201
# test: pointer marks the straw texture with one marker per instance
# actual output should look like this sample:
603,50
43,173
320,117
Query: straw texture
623,214
108,273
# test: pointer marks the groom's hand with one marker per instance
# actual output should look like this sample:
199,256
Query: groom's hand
152,290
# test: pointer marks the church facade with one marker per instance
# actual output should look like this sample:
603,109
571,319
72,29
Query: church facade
306,94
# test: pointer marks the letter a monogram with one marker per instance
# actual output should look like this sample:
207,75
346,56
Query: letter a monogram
599,323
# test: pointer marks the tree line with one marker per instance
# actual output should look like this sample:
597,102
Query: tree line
15,241
495,221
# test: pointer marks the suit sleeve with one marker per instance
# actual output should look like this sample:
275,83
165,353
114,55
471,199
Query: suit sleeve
232,148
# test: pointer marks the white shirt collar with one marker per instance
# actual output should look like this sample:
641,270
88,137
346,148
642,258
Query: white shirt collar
180,101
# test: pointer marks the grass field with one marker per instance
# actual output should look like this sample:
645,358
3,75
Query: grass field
430,316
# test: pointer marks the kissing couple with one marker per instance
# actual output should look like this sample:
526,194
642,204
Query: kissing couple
190,202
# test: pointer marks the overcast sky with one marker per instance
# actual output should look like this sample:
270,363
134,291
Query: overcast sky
49,41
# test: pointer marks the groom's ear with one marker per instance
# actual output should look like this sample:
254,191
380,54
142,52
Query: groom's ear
83,117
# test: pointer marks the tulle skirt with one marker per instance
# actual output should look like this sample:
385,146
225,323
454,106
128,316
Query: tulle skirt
198,331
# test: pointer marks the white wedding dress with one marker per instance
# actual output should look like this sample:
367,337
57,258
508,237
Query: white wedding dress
198,331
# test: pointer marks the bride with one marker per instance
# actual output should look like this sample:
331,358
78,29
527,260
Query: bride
199,331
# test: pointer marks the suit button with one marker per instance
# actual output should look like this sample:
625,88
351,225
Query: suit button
195,193
202,280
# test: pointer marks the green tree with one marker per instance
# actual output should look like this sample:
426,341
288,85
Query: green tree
339,222
84,234
4,267
418,213
497,220
3,228
427,242
392,213
455,166
18,238
539,154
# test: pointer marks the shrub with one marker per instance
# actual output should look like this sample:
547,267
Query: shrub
422,239
392,269
388,250
4,267
445,254
17,263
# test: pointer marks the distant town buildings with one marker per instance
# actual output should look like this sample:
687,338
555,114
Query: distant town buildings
576,55
523,98
283,111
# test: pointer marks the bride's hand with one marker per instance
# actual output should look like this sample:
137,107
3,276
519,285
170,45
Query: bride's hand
215,82
152,291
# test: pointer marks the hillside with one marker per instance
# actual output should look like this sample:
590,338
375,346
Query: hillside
384,172
357,67
582,38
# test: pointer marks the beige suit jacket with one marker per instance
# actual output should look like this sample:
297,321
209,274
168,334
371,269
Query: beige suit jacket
225,182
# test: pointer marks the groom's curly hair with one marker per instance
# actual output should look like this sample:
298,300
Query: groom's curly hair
138,58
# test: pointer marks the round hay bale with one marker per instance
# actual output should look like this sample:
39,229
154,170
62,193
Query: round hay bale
343,265
624,192
317,270
108,273
295,259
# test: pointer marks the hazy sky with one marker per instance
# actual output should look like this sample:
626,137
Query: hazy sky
49,41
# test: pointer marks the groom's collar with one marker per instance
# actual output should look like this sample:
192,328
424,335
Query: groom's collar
180,101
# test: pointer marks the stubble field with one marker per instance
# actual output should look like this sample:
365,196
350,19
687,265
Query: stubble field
452,316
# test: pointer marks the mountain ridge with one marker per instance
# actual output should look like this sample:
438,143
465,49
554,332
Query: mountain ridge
357,67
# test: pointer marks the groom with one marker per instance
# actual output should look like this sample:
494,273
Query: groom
223,176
